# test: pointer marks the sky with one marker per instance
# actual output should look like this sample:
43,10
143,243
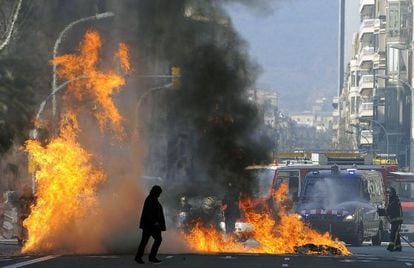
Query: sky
296,45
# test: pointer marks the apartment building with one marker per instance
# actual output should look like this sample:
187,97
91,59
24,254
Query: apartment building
374,108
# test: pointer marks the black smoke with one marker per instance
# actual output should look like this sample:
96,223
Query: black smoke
209,113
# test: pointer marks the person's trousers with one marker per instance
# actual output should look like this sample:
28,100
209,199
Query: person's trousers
395,241
146,234
230,225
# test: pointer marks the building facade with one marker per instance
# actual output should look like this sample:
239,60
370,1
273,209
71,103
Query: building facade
374,108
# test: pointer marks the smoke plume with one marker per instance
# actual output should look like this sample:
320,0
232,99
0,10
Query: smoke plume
201,131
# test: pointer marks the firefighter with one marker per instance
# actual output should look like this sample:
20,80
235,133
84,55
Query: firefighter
395,216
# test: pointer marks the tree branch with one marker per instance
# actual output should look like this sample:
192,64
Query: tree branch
11,28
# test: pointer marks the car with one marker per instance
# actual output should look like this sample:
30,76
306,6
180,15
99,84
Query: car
344,203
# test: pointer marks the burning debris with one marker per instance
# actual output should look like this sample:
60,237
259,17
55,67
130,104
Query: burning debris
66,176
283,233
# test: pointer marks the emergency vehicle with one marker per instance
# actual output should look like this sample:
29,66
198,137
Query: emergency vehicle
344,203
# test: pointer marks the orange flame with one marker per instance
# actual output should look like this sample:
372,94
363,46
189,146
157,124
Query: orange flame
89,83
283,233
66,183
123,56
65,174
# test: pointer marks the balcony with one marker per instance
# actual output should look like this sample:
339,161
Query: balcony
366,110
354,65
366,6
380,60
366,56
367,27
366,83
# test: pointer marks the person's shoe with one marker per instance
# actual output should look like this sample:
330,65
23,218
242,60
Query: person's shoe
139,260
154,260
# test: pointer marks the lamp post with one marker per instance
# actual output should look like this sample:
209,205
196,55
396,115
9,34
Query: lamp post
411,143
353,133
382,127
175,77
146,94
59,40
33,132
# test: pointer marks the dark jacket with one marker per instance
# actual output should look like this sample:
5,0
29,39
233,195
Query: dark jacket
394,210
152,216
231,201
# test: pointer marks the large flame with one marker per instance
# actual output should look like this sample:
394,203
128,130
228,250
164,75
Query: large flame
66,176
283,233
90,83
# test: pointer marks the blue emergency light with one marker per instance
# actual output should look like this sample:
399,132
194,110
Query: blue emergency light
351,171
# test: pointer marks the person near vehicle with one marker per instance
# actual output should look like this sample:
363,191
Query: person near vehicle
152,224
395,216
26,201
231,208
183,214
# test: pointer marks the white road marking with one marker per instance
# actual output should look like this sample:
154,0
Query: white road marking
285,265
408,264
25,263
287,259
169,257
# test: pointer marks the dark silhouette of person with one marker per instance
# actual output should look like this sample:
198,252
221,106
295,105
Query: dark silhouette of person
26,200
152,224
231,208
395,216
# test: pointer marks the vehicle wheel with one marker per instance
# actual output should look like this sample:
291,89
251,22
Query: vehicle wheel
377,239
359,236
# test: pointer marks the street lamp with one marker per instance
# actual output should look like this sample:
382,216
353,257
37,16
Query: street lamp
353,133
33,133
382,127
175,77
147,93
59,40
404,82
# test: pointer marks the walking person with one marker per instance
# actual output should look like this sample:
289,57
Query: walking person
152,224
395,216
231,208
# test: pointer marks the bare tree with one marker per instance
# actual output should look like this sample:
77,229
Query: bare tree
7,23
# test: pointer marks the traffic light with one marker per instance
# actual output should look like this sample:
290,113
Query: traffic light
176,75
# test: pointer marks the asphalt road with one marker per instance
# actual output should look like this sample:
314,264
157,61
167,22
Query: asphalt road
365,256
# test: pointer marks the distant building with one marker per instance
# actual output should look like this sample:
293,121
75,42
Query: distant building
304,119
267,102
319,117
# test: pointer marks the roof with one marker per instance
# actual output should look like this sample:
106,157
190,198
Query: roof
271,166
403,173
328,167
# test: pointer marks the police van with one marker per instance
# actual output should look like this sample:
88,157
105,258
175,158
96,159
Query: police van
344,203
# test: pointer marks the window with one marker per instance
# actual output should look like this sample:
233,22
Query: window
358,101
352,105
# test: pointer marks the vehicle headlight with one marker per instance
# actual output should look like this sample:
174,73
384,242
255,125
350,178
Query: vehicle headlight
299,216
349,217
